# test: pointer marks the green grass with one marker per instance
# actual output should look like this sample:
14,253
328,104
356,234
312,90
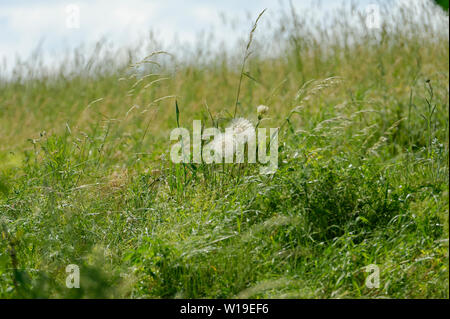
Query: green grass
86,177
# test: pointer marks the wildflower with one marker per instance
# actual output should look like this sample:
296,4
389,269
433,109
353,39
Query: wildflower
239,131
241,127
261,110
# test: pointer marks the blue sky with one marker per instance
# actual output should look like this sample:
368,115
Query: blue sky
25,24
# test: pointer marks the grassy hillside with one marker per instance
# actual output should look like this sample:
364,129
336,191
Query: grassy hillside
86,177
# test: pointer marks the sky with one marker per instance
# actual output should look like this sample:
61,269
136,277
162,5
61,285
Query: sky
59,25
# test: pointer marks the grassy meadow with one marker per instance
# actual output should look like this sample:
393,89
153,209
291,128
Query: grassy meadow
86,177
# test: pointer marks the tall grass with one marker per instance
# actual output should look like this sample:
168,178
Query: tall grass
86,178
